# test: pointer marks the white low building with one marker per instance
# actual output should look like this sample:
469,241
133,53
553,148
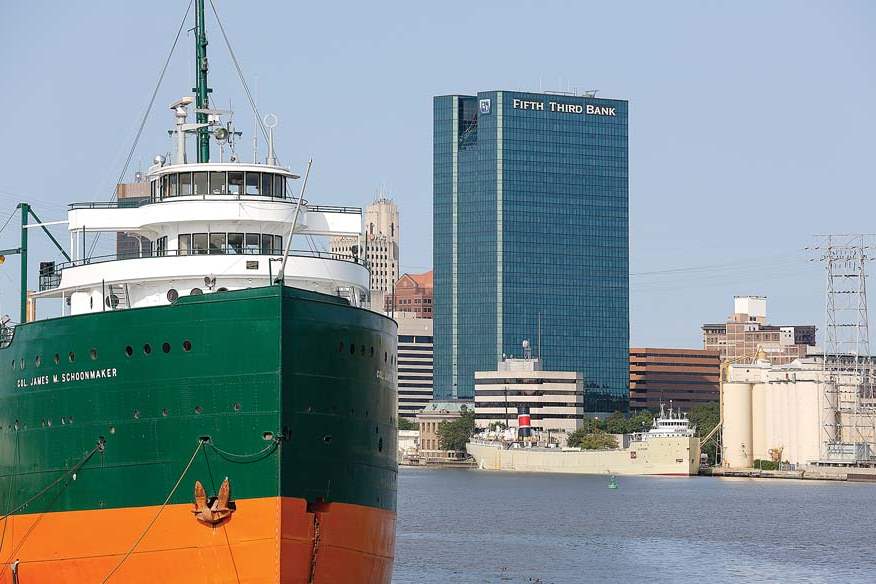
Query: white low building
555,399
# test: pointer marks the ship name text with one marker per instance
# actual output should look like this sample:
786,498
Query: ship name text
70,377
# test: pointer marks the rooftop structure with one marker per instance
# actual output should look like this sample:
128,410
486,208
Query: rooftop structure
746,332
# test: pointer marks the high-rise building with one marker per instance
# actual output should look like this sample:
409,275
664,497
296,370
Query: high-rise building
414,363
412,294
531,233
746,332
683,378
381,243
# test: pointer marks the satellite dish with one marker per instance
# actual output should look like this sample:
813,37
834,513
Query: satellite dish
271,120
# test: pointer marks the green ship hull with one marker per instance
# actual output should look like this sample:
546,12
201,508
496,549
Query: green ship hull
289,394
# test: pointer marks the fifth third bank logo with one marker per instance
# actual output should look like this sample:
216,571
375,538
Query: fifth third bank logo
485,106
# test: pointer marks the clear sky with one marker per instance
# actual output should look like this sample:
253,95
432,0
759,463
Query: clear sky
751,123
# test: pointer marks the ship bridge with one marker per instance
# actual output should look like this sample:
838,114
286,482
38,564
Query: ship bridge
203,228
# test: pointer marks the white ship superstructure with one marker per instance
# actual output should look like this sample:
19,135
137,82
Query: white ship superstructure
205,228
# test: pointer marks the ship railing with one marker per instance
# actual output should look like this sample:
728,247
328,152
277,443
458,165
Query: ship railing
135,202
7,331
50,272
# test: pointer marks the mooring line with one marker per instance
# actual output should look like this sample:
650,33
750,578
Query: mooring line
157,515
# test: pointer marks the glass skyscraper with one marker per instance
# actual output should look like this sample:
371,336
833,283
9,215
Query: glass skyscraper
531,238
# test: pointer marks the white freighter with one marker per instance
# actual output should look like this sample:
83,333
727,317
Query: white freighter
669,447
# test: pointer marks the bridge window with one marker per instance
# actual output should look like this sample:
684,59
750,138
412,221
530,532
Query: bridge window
161,246
235,242
199,180
279,186
252,243
199,243
173,180
218,185
184,243
267,185
185,184
252,183
217,243
235,183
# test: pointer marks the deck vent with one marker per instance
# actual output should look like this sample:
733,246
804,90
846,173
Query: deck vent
172,295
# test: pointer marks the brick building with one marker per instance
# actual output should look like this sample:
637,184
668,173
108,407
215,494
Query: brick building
411,294
746,332
686,377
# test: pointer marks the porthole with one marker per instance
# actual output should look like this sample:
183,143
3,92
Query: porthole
129,351
71,356
93,354
164,412
172,295
187,346
380,445
38,361
21,363
236,407
165,347
384,356
372,351
196,292
136,414
340,349
57,358
111,301
328,438
362,350
147,348
198,409
352,349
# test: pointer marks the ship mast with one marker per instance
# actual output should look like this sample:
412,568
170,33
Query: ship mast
202,100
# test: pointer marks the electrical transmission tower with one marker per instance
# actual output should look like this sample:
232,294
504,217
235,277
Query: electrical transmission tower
848,412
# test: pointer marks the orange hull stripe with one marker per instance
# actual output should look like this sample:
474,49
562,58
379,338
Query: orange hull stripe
270,540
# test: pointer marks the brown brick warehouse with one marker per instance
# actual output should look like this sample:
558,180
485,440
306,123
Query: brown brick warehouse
686,377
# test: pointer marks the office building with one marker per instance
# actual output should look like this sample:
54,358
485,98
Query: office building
412,295
381,243
683,378
746,331
414,364
531,232
553,399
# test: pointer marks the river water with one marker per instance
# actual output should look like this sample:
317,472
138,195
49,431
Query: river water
484,527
